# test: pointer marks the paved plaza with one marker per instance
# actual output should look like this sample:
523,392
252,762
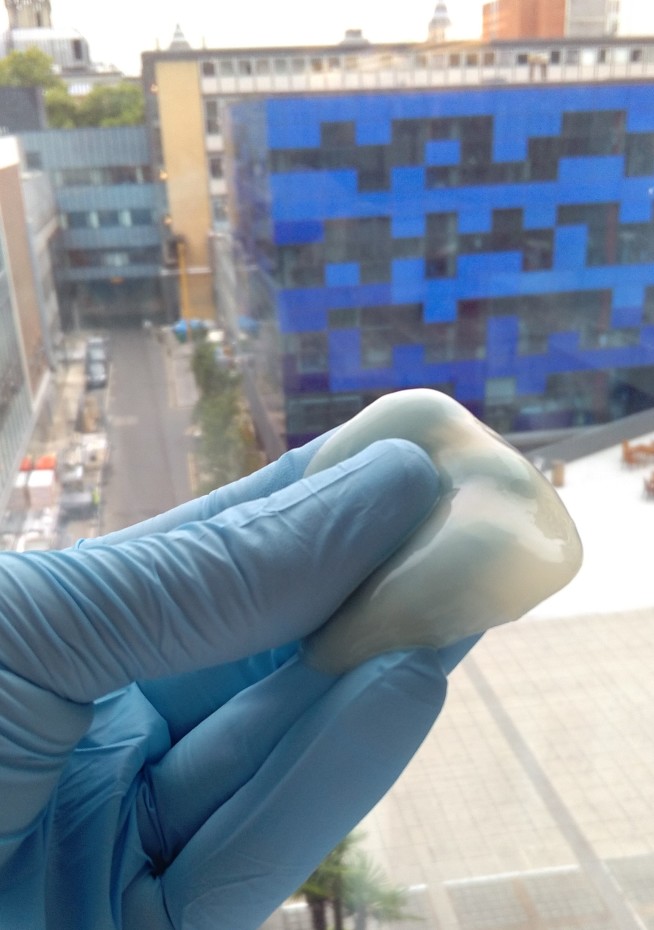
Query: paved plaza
531,804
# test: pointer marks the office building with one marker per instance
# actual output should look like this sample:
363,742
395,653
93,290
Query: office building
28,315
109,260
496,244
453,172
185,91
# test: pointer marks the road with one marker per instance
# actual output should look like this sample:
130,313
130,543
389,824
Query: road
148,424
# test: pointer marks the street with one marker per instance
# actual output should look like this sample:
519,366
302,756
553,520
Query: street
148,418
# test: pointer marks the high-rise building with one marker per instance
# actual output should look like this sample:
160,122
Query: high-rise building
109,247
548,19
465,225
497,245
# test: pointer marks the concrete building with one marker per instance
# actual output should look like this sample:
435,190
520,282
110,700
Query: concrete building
109,260
185,93
28,317
21,110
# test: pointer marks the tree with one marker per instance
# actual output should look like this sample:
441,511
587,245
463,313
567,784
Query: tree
112,105
324,887
106,105
349,883
226,447
60,108
368,893
32,68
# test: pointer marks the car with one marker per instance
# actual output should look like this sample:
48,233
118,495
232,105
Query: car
96,375
96,351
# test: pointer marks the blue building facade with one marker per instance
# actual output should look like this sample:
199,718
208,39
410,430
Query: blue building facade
495,243
109,257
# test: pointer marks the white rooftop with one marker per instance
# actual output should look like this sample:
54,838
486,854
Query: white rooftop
616,523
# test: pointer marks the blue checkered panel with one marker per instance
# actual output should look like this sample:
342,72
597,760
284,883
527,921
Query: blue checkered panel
496,243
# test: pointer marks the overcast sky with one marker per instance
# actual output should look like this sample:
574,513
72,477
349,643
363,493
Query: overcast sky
128,27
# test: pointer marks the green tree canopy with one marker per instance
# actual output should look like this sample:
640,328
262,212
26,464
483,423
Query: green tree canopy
106,105
112,105
351,884
226,445
60,108
32,68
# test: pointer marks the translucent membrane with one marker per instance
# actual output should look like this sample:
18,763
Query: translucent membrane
498,542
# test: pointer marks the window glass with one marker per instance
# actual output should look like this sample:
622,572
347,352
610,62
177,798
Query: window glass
216,166
77,219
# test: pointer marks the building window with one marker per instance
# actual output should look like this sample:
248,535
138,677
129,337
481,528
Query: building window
125,174
280,65
316,65
500,390
212,123
216,167
208,69
78,52
140,217
115,259
33,161
262,66
108,218
244,67
77,219
219,209
227,67
310,350
344,318
299,65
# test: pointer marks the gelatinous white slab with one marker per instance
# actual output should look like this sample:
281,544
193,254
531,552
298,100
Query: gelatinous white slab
498,541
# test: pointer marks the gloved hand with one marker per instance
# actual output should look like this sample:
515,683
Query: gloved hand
166,758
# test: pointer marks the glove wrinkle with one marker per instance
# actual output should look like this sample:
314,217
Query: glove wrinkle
210,592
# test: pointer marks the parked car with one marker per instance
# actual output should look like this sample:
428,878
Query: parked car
96,351
96,375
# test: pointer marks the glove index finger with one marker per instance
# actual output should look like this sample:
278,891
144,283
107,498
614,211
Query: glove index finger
289,468
257,576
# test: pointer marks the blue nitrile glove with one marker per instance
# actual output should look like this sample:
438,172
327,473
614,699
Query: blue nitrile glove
202,796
